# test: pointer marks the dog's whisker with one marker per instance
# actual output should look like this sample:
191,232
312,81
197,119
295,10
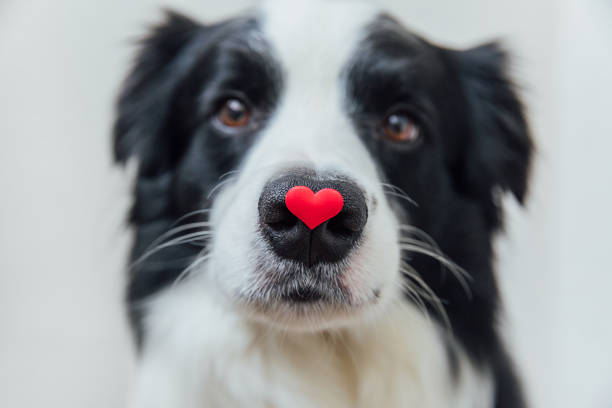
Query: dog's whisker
189,214
430,248
187,271
415,295
184,239
394,191
412,230
176,230
457,271
220,184
433,299
228,173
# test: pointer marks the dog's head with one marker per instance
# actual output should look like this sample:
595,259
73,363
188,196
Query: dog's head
419,140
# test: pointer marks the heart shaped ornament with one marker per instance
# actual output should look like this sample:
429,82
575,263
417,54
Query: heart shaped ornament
313,209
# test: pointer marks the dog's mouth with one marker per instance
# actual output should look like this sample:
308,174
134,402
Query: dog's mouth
287,283
300,297
303,295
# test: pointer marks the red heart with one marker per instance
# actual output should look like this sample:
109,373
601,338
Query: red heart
313,209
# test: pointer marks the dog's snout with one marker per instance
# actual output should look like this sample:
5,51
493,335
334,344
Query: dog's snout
289,233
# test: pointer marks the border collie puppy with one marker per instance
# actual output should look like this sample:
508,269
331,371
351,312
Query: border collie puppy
391,300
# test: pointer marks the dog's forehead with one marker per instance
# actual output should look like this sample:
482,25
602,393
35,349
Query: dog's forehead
313,37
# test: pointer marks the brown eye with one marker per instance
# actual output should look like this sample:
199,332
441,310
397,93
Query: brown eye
234,113
399,127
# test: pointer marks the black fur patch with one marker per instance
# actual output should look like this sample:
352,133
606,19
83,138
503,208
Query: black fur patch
476,144
164,119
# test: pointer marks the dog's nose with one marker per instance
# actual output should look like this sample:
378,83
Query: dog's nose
312,219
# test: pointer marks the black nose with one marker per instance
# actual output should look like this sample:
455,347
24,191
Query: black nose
292,239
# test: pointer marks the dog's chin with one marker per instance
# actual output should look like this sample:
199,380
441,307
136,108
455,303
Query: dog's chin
306,299
301,316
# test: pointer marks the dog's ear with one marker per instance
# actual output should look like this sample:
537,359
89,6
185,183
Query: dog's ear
145,101
498,150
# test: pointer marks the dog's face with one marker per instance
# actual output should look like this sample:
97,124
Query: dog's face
418,140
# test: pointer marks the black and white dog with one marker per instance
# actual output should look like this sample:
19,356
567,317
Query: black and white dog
393,302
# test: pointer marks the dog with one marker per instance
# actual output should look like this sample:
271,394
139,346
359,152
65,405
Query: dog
390,300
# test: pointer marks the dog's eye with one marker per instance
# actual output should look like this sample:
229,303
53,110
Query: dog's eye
234,113
400,127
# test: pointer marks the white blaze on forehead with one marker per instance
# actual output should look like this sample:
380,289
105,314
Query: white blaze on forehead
314,42
316,37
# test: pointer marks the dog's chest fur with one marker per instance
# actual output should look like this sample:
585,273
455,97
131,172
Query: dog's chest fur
399,361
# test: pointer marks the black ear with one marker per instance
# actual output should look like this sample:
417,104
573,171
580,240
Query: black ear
498,150
147,94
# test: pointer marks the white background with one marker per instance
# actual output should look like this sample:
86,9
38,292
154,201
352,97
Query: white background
63,338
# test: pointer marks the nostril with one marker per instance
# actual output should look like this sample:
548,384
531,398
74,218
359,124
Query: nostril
282,221
342,226
350,220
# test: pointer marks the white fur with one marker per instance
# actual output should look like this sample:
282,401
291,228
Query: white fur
202,350
202,353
